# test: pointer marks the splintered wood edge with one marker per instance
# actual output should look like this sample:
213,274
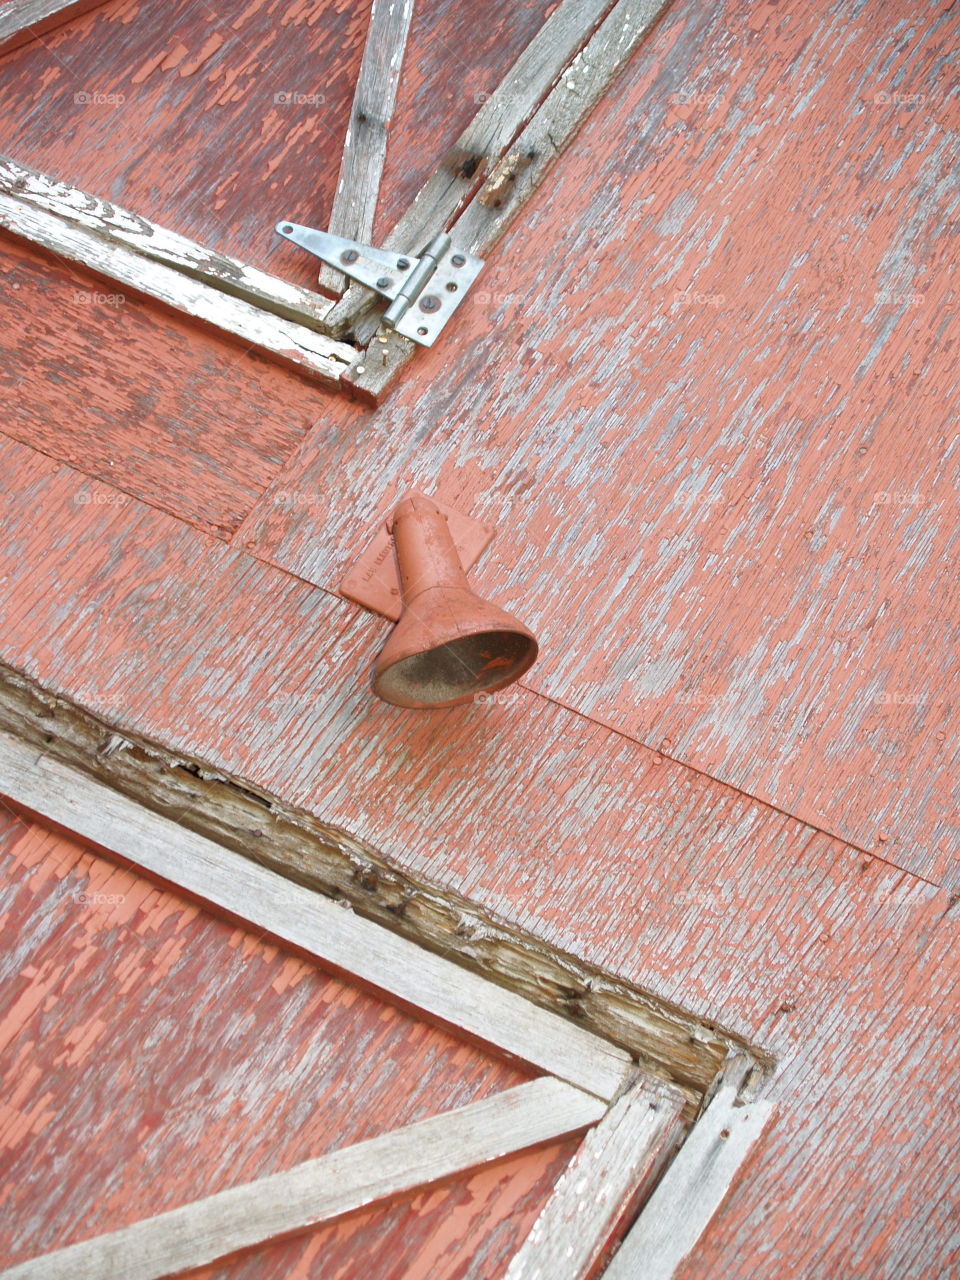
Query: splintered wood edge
316,1191
24,20
663,1038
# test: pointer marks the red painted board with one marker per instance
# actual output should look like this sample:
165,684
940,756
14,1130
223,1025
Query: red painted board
716,433
838,962
152,1054
124,390
220,121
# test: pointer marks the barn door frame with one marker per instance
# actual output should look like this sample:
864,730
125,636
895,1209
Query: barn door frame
633,1120
476,191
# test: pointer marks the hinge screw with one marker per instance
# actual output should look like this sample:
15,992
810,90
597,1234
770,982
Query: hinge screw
384,282
402,264
430,303
458,260
349,255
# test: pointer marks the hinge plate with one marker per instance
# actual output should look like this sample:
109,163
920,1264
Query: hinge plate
423,292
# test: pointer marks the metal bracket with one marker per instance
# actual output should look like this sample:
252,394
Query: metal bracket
424,292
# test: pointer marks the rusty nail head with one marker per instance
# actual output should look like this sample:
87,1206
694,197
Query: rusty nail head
349,255
430,303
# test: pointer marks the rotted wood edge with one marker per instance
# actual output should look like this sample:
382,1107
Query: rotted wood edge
24,20
365,147
618,1162
662,1038
523,169
317,1191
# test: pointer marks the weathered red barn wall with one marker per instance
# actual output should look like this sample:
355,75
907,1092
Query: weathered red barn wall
713,428
151,1054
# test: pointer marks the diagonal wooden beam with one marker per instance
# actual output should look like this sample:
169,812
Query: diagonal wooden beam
365,148
618,1162
690,1192
25,20
301,918
283,1204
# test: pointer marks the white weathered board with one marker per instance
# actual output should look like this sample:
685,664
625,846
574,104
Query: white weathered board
197,1234
296,915
365,146
23,20
692,1188
618,1161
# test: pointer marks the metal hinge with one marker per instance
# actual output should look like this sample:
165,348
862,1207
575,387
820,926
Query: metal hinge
424,292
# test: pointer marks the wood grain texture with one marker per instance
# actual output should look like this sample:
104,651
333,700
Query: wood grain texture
692,1188
290,342
619,1160
152,1055
365,146
24,20
836,961
501,114
712,434
242,1217
97,378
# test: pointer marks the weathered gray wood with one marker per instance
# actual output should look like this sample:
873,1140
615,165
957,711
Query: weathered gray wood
365,146
284,1203
491,210
289,342
300,917
24,20
618,1161
145,238
484,140
692,1188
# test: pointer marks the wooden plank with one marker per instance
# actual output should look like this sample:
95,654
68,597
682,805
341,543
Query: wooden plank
365,147
157,244
482,143
291,343
691,1190
202,442
618,1162
302,918
508,188
417,1155
25,20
